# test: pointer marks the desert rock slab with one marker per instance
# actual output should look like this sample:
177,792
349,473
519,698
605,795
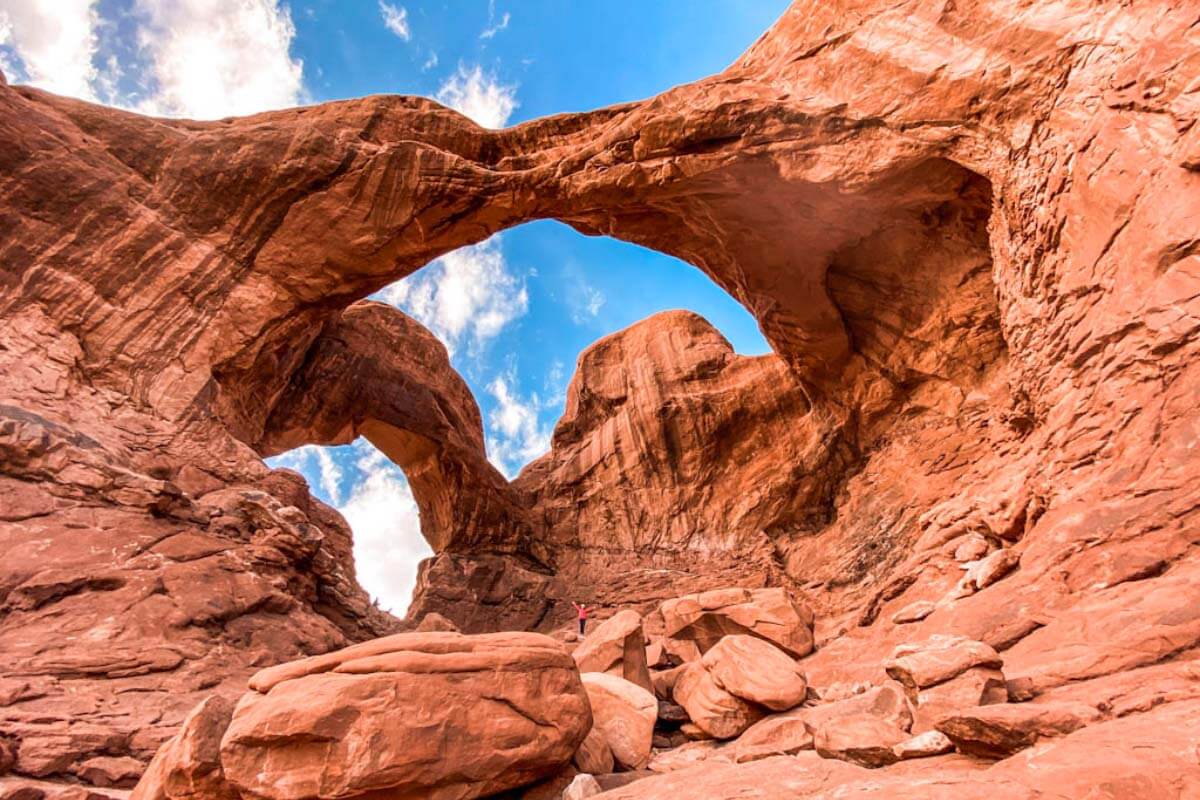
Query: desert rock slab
434,715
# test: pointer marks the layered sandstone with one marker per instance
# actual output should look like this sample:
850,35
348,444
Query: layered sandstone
968,230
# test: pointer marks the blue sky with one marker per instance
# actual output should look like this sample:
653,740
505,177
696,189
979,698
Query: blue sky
514,311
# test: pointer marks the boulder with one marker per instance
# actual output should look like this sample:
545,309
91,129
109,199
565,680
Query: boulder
617,646
938,659
914,612
991,568
924,745
972,547
594,756
712,709
862,739
978,686
657,656
581,787
188,766
624,715
777,735
757,671
435,715
887,702
114,771
998,731
692,624
433,622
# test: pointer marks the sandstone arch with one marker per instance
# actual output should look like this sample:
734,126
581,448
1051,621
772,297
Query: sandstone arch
164,282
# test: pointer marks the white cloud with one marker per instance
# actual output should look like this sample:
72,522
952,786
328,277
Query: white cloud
515,435
468,293
193,58
381,511
54,42
430,62
395,19
216,58
492,29
388,544
478,95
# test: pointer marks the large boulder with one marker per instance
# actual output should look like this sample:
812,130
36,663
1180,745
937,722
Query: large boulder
777,735
862,739
715,711
755,670
978,686
946,674
693,624
998,731
624,715
617,646
433,715
939,659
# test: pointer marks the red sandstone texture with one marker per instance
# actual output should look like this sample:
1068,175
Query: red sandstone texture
970,230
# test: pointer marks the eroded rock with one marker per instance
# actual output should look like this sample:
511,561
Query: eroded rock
617,646
509,709
624,715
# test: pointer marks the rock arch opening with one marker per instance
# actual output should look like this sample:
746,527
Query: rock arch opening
673,452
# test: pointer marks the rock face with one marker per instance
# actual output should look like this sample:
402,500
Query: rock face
968,230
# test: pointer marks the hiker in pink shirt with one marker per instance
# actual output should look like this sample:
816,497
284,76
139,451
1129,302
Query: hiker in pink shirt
583,614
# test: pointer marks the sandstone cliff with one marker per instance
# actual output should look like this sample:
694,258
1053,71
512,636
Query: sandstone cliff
968,229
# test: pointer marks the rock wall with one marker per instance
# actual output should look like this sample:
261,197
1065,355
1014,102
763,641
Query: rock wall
968,229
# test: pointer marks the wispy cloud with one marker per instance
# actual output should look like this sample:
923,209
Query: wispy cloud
430,62
478,95
494,27
466,295
585,302
516,435
395,19
554,384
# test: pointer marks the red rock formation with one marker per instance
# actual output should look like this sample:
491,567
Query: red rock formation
968,229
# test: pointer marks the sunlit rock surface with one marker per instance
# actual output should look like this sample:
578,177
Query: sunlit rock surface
968,229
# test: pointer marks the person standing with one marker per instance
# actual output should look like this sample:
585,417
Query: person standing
583,616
